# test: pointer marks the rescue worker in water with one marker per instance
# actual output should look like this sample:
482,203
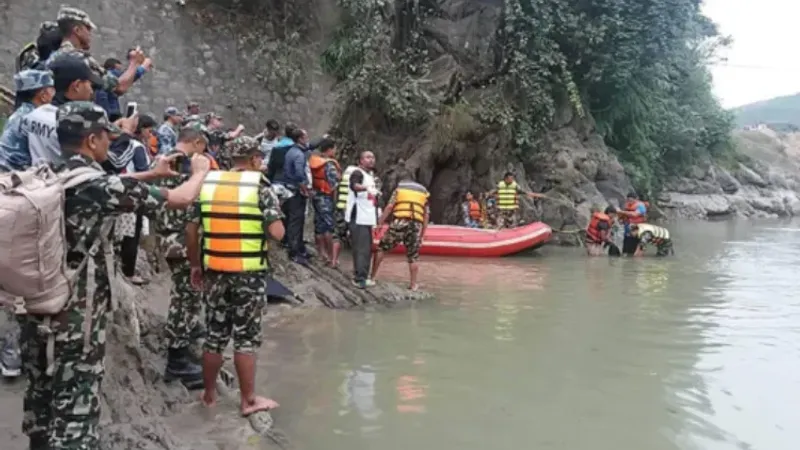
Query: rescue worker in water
652,235
507,193
598,233
635,212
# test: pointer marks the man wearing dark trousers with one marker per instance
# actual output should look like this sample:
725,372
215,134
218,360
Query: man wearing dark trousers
361,214
294,208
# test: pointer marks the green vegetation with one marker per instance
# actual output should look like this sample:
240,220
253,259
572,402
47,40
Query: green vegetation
781,113
636,66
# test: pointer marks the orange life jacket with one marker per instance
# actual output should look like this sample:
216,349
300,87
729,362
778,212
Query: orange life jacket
592,231
319,182
474,210
214,165
153,144
631,206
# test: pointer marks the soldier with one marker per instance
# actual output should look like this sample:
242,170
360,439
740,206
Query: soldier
33,89
237,212
410,214
62,401
192,108
217,137
76,28
184,324
507,193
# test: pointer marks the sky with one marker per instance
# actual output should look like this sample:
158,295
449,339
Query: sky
764,60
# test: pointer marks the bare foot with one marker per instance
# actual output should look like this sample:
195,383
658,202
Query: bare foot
209,398
414,287
334,264
257,404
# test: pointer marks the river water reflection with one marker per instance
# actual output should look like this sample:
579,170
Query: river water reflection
558,351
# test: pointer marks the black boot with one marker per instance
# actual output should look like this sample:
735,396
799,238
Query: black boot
181,365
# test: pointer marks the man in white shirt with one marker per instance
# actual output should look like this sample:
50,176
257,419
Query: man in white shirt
361,213
72,80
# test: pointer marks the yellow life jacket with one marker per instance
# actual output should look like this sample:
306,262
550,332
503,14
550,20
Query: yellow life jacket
344,188
659,234
410,202
507,197
233,225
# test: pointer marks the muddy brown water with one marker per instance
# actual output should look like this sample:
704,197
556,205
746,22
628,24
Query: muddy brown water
552,351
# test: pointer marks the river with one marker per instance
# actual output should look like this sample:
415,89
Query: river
559,351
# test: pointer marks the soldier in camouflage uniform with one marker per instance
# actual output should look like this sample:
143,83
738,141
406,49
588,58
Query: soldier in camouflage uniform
410,213
77,28
218,137
184,324
235,283
62,408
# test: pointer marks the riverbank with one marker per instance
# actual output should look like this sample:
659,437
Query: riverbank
135,398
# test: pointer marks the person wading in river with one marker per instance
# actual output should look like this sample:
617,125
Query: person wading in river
410,213
237,212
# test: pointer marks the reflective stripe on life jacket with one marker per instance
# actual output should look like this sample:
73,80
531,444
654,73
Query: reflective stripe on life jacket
344,188
474,210
592,232
507,197
659,234
632,207
319,182
233,225
411,200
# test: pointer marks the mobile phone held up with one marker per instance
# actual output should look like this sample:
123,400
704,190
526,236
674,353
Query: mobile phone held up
132,109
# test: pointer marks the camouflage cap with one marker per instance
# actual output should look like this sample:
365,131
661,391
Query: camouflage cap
70,13
243,147
171,111
79,118
31,80
192,104
195,125
210,116
48,26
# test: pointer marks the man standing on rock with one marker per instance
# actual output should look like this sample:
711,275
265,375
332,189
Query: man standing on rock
410,214
65,367
237,212
167,132
361,214
507,193
325,172
217,137
184,325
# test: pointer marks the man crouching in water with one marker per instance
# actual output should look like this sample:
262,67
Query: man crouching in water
598,233
652,235
237,211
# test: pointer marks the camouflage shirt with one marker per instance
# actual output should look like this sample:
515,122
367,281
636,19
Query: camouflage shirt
110,82
170,224
267,202
216,145
105,198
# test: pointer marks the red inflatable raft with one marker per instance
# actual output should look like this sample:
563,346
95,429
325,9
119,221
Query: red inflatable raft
451,240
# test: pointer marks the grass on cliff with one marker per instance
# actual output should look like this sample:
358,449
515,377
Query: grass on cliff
637,68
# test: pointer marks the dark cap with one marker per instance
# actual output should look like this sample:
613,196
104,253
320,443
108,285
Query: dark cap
632,194
80,118
68,68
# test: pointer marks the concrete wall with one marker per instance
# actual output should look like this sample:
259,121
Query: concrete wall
193,61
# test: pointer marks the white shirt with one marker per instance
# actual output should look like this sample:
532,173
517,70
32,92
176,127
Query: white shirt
40,126
366,211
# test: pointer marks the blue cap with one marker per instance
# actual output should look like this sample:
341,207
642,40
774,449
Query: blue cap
31,80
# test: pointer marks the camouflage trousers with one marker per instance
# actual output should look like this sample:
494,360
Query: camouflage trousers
234,303
507,218
185,305
406,232
62,411
664,248
323,214
340,226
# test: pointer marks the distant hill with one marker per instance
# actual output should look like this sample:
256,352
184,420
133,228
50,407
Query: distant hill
779,111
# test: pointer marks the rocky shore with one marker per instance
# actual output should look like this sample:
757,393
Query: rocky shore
137,403
762,182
